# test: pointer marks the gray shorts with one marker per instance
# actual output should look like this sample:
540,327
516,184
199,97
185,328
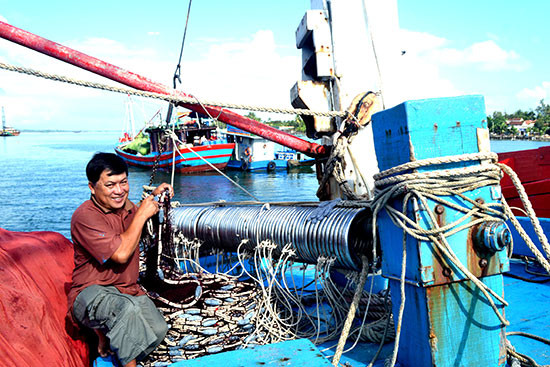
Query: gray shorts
133,324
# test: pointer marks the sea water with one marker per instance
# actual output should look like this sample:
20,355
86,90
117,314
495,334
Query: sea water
43,180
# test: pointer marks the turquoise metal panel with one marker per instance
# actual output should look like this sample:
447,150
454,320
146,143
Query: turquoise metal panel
427,128
298,353
431,128
455,320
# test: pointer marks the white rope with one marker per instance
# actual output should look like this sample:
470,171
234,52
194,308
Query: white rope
169,98
455,182
351,313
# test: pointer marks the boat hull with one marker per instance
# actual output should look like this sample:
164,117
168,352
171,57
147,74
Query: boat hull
9,133
216,155
263,165
533,169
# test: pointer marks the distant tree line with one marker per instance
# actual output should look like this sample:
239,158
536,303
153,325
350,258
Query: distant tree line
541,115
296,125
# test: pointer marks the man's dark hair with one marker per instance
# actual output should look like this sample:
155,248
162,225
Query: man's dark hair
105,161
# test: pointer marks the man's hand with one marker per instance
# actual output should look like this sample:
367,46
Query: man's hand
130,237
162,187
148,207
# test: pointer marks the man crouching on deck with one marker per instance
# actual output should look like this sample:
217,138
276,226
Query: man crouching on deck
104,295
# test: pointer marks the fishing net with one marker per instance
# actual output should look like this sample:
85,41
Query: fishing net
35,273
207,313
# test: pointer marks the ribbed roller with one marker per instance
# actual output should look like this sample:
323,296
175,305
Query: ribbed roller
313,231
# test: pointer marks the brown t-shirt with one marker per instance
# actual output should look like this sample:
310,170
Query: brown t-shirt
96,232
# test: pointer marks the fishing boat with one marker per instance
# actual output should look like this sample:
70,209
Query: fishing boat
7,130
189,145
294,159
411,207
252,152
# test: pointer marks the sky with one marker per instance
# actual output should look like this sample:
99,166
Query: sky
244,51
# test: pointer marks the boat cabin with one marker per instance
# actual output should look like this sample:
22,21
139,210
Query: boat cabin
189,134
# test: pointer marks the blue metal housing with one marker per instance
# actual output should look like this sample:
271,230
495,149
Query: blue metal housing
447,320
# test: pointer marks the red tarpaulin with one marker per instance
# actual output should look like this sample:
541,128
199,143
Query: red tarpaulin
35,274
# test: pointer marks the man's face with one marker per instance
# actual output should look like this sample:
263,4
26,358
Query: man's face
111,192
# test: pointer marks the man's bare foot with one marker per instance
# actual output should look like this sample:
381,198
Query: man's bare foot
103,347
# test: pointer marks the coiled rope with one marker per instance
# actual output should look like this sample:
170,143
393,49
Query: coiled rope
168,97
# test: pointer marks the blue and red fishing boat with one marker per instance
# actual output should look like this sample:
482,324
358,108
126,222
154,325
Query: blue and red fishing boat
189,148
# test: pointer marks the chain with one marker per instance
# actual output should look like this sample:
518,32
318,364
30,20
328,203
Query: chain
160,146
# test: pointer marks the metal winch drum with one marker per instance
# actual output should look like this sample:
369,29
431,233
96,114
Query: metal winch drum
341,233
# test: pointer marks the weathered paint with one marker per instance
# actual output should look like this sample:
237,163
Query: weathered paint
476,332
407,130
448,321
133,80
474,338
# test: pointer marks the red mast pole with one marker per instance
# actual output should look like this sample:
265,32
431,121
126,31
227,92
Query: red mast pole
136,81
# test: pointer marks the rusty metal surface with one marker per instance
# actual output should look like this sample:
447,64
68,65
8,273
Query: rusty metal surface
461,346
137,81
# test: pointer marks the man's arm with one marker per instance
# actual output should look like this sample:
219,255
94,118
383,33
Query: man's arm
130,238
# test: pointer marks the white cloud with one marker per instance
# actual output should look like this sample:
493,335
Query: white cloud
67,106
422,72
491,57
485,55
534,95
253,71
431,66
249,71
419,42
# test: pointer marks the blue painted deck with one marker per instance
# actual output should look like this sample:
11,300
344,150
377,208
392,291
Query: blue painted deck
297,353
528,311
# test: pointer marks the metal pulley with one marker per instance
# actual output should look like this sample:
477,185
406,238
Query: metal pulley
493,236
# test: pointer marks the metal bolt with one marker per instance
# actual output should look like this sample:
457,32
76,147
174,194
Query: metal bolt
439,209
480,201
447,272
483,263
